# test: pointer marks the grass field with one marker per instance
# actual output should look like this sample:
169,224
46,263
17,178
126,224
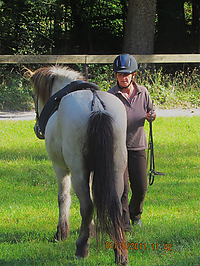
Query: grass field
29,211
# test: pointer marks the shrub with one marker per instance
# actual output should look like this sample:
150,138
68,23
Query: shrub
15,91
180,89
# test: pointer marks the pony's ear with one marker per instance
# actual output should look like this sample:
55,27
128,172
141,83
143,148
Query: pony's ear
27,72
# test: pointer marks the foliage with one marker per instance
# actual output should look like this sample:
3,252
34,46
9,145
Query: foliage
24,28
29,210
167,90
84,27
178,90
102,75
60,26
15,91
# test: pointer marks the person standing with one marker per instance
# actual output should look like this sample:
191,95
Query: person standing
138,104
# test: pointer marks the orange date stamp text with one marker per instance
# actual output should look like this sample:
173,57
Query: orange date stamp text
137,246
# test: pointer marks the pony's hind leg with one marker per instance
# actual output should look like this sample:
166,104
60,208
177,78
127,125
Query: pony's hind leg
82,243
82,190
64,200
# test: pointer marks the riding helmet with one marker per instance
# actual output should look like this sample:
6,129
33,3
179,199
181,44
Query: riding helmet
125,63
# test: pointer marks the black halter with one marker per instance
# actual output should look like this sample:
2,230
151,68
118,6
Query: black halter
53,103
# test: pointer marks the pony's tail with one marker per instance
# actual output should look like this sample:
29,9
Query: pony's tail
100,160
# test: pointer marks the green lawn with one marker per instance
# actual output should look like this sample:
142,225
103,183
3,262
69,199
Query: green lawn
29,209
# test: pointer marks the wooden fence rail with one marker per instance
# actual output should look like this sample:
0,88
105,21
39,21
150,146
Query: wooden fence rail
99,59
96,59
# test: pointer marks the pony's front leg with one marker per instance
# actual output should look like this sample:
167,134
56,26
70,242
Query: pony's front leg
64,201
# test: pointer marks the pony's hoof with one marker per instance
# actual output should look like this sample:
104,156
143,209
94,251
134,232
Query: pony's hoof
61,234
123,263
120,258
82,252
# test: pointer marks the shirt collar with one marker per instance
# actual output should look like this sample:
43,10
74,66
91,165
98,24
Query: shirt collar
117,89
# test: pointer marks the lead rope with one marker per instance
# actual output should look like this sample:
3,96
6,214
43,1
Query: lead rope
152,171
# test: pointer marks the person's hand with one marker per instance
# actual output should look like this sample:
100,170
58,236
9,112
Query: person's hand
148,116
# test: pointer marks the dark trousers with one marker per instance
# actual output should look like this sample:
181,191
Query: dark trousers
136,173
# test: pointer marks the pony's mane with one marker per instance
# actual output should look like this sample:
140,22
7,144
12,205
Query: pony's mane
43,79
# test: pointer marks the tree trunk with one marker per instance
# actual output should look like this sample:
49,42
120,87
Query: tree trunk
171,33
140,27
196,26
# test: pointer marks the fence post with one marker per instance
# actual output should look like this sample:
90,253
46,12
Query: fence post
85,71
85,68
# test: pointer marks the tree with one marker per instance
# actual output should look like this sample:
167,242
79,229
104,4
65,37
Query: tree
61,26
196,25
140,27
97,27
24,27
172,35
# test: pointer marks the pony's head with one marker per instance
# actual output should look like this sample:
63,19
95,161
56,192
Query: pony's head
47,81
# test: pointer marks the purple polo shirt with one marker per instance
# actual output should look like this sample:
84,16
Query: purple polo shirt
136,113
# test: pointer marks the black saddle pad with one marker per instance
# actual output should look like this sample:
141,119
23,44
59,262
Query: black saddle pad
53,103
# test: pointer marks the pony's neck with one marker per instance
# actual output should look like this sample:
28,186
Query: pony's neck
64,76
60,83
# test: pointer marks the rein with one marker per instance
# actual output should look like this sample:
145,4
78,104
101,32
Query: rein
152,171
54,101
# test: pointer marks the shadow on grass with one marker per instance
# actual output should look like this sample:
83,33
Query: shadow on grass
34,153
16,262
40,254
28,236
23,236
